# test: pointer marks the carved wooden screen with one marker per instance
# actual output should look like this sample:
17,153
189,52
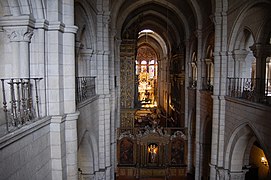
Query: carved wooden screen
177,152
126,152
177,148
127,82
127,73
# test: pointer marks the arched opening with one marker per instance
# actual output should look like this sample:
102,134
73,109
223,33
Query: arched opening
146,72
152,86
208,81
258,164
246,156
251,52
194,70
87,163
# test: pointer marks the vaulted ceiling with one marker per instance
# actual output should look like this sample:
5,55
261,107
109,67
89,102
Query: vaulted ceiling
173,20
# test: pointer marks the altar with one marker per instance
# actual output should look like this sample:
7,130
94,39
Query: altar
151,152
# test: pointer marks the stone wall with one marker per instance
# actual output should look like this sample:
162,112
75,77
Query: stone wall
206,112
257,116
88,119
25,154
88,135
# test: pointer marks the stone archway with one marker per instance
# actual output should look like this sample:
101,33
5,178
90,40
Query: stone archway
238,151
87,157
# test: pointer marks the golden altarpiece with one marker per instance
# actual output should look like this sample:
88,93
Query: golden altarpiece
151,152
146,146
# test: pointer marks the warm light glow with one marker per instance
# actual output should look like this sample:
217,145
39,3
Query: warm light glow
264,161
172,107
147,78
146,31
153,149
150,105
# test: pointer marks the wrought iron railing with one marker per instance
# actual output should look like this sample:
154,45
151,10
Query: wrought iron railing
20,99
252,89
85,88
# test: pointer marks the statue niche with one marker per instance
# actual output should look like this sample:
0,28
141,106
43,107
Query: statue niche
153,151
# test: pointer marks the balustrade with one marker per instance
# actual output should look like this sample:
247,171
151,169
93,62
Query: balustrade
21,102
85,88
252,89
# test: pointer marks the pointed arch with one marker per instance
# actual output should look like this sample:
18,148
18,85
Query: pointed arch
88,158
35,8
237,25
86,24
239,146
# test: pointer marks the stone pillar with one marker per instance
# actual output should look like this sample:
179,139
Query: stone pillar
187,115
217,19
20,37
38,57
57,151
238,175
261,52
103,89
222,174
198,160
69,102
69,68
71,145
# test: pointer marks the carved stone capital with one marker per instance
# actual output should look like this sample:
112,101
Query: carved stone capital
71,29
19,34
239,55
238,175
198,33
222,173
216,18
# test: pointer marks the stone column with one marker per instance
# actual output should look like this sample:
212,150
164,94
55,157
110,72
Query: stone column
38,57
20,37
69,102
198,155
237,175
261,52
103,89
71,145
218,21
57,151
222,174
187,115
